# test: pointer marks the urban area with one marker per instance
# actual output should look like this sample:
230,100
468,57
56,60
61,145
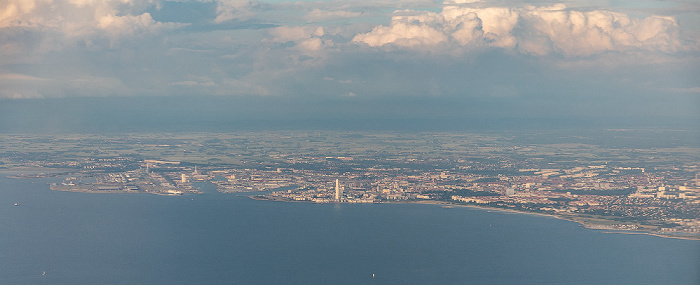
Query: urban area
622,180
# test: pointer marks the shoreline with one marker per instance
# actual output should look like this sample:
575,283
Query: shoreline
41,172
585,222
121,192
27,168
90,191
33,170
581,220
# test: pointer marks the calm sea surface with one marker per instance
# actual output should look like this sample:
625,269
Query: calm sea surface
78,238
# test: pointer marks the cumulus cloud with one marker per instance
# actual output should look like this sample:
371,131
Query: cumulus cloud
407,29
15,12
82,19
126,26
531,30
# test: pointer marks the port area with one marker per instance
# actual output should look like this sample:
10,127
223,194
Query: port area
137,181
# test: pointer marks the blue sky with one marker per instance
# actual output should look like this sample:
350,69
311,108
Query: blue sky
455,59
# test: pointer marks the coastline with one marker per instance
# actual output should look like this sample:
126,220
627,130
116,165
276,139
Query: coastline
33,170
583,221
40,172
593,223
95,191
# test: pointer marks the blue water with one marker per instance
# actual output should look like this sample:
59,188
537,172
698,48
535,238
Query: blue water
79,238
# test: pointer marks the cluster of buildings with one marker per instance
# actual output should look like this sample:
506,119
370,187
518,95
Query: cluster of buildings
141,180
644,186
630,194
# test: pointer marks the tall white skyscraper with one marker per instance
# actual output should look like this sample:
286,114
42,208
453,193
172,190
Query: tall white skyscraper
338,191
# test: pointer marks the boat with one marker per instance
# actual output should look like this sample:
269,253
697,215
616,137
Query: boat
16,204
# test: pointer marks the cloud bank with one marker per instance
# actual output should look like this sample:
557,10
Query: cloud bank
551,57
530,30
83,18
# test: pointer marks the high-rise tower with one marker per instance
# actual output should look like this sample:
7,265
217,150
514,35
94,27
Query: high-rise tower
338,191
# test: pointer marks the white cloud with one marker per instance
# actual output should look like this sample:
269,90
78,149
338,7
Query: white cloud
534,30
128,26
15,12
407,29
497,23
83,19
585,33
312,44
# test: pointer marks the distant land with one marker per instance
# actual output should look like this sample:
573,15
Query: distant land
638,181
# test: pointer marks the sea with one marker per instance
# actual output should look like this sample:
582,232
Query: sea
214,238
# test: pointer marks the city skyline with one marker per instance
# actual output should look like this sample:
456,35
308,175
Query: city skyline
627,186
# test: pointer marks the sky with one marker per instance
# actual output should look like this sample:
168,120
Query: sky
71,65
